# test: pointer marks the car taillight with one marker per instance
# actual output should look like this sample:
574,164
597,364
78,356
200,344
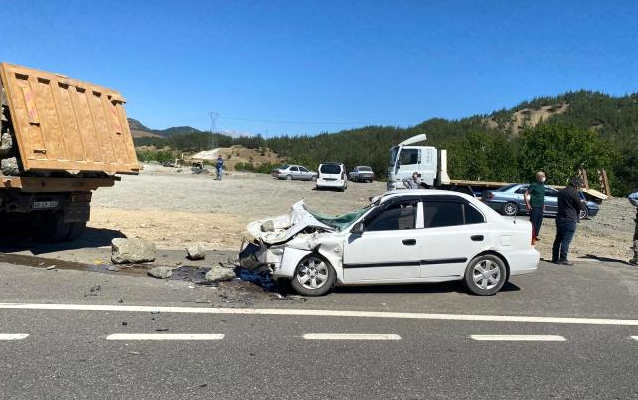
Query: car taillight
343,175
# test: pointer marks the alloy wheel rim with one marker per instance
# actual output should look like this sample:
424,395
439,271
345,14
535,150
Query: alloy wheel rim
510,209
486,274
313,274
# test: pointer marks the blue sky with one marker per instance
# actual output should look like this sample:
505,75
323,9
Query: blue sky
299,67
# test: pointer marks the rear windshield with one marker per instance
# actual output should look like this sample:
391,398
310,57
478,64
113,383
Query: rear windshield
365,169
285,166
332,169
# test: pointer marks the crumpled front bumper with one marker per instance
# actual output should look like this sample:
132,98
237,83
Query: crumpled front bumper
254,256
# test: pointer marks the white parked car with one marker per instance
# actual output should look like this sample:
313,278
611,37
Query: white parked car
407,236
332,175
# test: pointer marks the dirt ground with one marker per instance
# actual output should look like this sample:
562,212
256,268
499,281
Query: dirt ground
175,208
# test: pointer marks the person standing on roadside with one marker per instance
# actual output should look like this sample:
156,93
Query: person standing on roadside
536,202
633,199
219,165
569,207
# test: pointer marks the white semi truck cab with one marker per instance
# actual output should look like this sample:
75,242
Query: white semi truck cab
427,161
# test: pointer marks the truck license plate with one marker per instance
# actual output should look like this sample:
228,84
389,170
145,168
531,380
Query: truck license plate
40,205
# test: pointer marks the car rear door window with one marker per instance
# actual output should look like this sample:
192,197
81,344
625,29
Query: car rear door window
442,213
294,169
439,213
395,217
472,215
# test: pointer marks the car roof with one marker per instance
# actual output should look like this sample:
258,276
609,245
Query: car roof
397,194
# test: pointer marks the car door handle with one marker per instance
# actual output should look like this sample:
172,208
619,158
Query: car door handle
477,238
409,242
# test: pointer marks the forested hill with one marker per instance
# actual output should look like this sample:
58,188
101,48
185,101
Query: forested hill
557,134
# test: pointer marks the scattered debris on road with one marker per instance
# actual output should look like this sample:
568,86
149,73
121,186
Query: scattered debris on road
126,251
49,268
161,272
196,252
219,274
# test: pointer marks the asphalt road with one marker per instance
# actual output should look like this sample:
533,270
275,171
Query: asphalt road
428,346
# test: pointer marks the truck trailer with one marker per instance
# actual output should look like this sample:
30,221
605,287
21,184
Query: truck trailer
61,139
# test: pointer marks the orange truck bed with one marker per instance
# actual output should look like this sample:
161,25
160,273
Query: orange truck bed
63,124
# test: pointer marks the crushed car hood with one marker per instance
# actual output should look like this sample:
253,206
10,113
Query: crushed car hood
282,228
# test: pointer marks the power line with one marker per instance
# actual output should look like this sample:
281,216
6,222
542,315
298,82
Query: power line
273,121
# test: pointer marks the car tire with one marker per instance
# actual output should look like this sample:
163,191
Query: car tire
310,268
584,213
288,177
485,275
314,178
510,209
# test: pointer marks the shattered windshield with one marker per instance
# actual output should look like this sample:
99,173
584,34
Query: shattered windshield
340,222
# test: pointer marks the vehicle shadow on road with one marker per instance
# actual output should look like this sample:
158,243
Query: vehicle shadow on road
445,287
91,238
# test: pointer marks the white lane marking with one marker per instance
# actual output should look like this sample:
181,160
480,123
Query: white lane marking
13,336
351,336
321,313
520,338
165,336
634,337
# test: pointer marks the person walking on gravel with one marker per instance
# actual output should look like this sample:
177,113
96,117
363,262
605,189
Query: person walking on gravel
633,199
569,207
219,165
536,202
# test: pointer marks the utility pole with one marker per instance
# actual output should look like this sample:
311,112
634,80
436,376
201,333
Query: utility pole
213,127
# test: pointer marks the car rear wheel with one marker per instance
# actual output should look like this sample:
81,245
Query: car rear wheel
584,213
288,177
510,209
314,276
485,275
314,178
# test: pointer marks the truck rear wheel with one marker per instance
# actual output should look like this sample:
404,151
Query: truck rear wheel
49,227
76,229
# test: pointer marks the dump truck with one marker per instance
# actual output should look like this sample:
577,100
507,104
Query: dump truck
60,139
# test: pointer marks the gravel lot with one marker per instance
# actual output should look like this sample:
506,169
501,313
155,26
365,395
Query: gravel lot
174,209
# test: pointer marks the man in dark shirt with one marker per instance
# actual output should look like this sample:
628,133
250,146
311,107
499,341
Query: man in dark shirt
569,207
536,202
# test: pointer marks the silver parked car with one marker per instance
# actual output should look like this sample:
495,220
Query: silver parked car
290,172
509,200
361,173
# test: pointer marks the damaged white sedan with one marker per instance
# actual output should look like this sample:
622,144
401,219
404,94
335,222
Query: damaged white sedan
410,236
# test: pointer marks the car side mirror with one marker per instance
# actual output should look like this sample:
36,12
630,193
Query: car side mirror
358,228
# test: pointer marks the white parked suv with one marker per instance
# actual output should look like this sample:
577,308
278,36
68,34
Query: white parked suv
332,175
409,236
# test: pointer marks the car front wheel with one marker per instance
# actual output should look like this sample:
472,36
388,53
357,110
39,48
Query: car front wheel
510,209
485,275
584,213
314,276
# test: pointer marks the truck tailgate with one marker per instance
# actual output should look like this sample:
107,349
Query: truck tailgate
66,124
